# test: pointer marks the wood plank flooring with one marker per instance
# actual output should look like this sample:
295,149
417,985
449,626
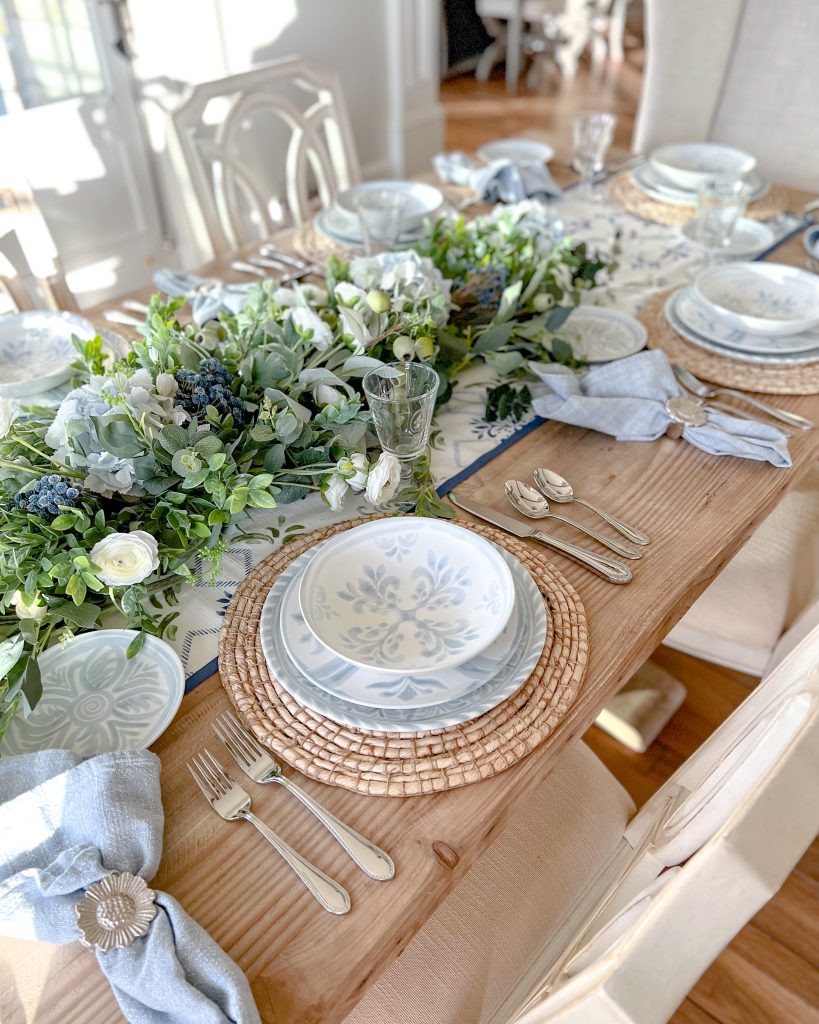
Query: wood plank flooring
769,974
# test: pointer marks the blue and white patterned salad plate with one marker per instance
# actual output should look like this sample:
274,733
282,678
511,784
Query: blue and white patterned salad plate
333,687
96,700
598,334
36,351
406,595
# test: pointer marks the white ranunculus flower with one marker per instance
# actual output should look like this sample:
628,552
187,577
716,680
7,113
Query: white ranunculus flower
363,328
349,294
306,320
8,414
125,558
313,294
383,478
28,611
361,466
326,394
166,385
335,491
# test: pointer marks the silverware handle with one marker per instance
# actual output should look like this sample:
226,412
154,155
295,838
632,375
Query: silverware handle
791,418
372,861
731,410
609,568
117,316
634,535
329,894
622,547
248,268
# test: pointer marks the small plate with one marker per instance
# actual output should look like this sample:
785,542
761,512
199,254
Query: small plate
517,150
647,179
528,646
422,201
335,226
810,240
36,351
761,298
687,165
748,238
599,335
768,359
406,595
95,700
371,688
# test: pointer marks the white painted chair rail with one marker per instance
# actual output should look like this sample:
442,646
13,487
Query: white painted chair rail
321,141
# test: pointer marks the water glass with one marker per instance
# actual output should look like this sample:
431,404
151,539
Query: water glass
401,397
381,214
592,134
721,202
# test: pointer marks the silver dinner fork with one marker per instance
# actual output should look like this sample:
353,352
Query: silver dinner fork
259,766
231,802
696,387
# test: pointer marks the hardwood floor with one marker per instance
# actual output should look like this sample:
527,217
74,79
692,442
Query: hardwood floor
770,972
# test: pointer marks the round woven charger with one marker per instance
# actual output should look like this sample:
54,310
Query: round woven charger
732,373
623,192
316,247
403,764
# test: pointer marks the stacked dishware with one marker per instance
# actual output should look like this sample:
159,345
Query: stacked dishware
675,173
403,625
395,210
765,313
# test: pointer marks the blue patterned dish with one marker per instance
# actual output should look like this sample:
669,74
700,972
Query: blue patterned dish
598,334
761,298
407,595
810,240
36,351
95,700
371,687
532,631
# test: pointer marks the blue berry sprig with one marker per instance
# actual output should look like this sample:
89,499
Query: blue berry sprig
210,385
46,496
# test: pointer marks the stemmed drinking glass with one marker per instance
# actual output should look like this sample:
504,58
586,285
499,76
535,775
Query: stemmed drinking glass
381,214
401,397
592,134
721,202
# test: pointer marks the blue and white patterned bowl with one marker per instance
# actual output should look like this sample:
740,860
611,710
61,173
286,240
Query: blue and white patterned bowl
36,351
688,165
407,595
761,298
373,688
95,700
533,627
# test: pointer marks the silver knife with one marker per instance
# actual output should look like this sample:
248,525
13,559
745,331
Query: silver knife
609,568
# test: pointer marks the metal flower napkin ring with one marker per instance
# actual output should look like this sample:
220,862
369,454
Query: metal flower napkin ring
684,412
115,911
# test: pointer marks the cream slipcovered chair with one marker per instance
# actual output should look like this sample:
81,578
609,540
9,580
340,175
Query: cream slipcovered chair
742,72
575,917
232,136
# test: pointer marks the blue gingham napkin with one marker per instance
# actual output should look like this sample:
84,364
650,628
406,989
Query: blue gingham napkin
626,398
499,181
208,298
66,823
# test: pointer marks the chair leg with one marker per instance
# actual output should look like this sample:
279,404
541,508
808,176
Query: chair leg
617,30
492,55
643,708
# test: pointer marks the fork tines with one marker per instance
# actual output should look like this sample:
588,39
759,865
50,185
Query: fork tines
209,775
238,741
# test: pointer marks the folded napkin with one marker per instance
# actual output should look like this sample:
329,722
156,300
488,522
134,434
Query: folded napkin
626,398
502,181
66,823
208,298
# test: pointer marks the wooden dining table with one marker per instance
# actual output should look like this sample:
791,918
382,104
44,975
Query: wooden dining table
305,966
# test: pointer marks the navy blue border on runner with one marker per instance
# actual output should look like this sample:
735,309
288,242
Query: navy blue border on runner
449,485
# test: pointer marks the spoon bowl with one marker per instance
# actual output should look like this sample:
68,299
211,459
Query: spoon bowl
558,489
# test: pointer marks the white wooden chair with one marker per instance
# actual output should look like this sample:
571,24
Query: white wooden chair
26,289
525,938
233,136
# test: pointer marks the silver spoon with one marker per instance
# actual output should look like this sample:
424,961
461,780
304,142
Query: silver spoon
557,488
532,504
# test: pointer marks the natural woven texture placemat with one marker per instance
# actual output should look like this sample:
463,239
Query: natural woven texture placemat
623,192
403,764
316,247
731,373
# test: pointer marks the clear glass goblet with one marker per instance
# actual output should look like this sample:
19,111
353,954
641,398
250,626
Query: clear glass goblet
592,134
401,397
381,215
721,203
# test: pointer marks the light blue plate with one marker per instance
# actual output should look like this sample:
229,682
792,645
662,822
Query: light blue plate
649,181
95,700
810,240
527,647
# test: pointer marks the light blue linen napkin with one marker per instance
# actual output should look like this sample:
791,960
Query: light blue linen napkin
499,181
208,298
66,823
626,398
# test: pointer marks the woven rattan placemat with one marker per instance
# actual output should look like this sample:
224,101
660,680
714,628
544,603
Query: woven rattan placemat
403,764
623,192
312,245
802,379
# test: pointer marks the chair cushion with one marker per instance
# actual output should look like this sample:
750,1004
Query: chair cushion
472,950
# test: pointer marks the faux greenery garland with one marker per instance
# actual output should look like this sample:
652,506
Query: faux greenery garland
159,457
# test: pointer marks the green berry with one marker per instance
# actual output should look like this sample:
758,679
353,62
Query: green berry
403,347
378,301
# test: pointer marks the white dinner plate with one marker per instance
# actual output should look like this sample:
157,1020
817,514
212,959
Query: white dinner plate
337,228
422,201
95,700
374,689
769,359
407,595
516,150
36,351
598,334
646,178
533,627
749,237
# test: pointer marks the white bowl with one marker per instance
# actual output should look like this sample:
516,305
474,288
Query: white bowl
761,298
36,352
690,164
422,201
517,150
407,594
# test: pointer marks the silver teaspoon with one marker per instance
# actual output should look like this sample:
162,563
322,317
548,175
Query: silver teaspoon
532,504
557,488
